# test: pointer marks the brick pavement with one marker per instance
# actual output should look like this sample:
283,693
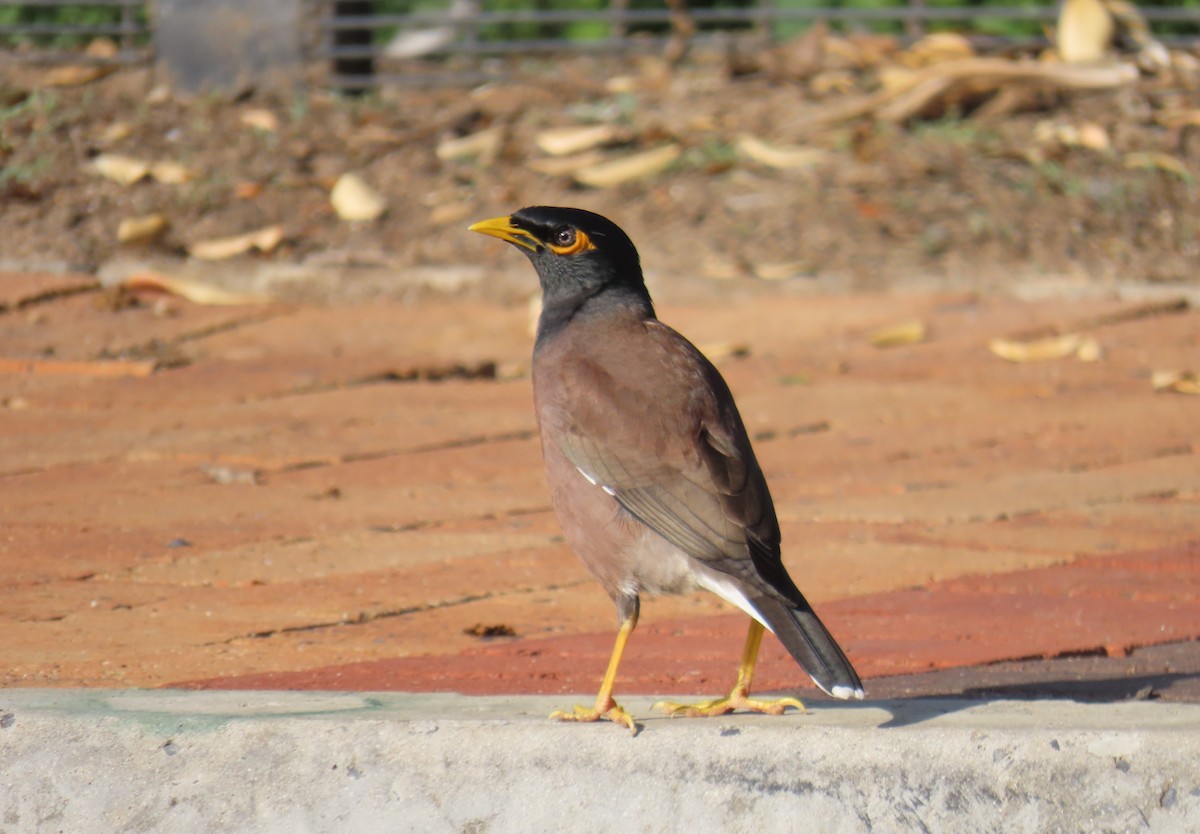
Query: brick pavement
336,496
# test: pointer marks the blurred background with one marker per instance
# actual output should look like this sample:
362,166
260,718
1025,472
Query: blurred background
945,253
298,147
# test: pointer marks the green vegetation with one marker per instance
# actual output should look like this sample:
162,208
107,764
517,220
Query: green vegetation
13,14
42,20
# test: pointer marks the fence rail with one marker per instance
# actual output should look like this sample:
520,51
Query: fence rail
366,44
32,31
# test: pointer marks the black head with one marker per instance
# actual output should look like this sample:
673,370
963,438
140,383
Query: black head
580,257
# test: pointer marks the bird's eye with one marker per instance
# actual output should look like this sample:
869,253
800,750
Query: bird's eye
566,240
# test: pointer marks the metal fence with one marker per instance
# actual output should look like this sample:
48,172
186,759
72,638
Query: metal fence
367,43
366,46
56,31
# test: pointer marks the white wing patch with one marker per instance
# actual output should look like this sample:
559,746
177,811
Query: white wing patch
592,481
728,591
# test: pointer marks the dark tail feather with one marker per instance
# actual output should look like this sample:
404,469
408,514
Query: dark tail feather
814,648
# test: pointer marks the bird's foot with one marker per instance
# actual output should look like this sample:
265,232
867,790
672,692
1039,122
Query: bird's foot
611,711
733,701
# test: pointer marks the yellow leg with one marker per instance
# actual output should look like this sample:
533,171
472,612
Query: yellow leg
739,698
606,707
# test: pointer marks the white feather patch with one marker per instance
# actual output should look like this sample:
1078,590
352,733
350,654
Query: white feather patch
589,478
593,482
729,592
845,692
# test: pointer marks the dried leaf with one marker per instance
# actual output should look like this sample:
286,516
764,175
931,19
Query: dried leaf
229,475
353,199
159,94
1088,135
193,291
843,53
142,229
247,190
935,49
124,170
937,86
102,47
1094,137
260,119
218,249
484,145
566,165
622,84
114,133
1085,31
839,81
779,156
75,75
1036,350
1089,350
1178,117
1154,160
635,166
896,79
898,334
170,173
571,140
1181,382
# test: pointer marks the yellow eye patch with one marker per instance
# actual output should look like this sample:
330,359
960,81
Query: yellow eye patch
580,243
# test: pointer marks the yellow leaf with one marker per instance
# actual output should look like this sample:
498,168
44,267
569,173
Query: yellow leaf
170,173
1181,382
779,156
566,165
484,145
193,291
74,75
1085,31
353,199
260,119
901,333
1159,162
1036,350
218,249
113,133
635,166
124,170
141,229
935,49
1094,137
564,141
1089,350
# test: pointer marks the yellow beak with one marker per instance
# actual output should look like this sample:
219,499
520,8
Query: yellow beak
503,228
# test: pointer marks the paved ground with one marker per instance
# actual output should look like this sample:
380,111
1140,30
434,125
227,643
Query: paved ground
350,497
166,761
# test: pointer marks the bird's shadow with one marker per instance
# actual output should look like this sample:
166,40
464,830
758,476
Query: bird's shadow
916,709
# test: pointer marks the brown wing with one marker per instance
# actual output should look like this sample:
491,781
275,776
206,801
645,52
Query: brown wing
663,436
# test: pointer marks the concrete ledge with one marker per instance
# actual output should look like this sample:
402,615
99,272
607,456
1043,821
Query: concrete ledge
172,761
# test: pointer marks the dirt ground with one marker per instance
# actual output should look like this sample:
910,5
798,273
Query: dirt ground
963,201
181,408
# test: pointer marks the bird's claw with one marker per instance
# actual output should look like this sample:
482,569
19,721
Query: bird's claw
726,705
614,713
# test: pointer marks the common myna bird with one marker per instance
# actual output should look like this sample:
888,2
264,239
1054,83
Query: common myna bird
651,472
